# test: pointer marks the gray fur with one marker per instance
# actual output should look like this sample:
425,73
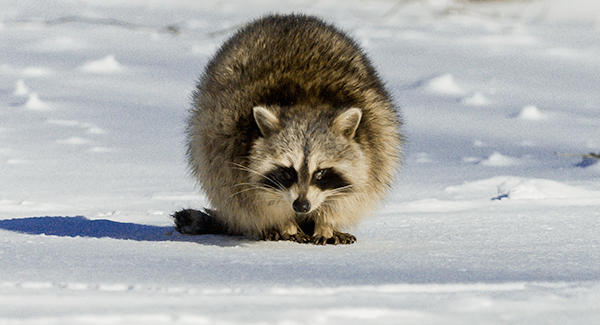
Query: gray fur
292,97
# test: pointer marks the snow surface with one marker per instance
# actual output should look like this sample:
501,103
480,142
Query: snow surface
486,225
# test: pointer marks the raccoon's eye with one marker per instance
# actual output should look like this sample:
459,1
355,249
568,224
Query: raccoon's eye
319,174
281,177
329,179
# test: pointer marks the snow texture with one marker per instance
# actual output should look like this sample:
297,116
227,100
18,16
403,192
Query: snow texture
485,225
106,65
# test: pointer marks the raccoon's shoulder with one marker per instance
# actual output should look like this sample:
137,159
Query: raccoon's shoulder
283,40
292,56
289,61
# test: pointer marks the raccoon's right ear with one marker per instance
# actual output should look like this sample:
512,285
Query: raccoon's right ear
265,119
347,123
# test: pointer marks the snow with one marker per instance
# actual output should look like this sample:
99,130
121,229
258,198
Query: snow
531,113
485,225
106,65
477,99
444,85
34,103
499,160
21,89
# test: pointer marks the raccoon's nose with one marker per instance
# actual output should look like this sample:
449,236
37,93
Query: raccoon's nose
301,205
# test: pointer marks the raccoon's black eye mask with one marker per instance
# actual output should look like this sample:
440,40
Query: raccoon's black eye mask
329,179
281,177
325,179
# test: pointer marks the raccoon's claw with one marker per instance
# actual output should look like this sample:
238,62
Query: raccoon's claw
319,240
337,238
274,235
301,238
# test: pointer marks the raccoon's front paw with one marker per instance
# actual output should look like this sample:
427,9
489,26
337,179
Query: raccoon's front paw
301,238
275,235
271,235
337,238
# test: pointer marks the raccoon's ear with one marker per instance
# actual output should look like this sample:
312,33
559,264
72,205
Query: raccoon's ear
347,123
265,119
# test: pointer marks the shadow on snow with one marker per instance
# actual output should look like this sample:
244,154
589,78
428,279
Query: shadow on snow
82,227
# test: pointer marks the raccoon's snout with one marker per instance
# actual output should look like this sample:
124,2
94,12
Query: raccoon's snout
301,205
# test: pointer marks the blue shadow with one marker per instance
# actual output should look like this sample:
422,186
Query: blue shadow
82,227
587,162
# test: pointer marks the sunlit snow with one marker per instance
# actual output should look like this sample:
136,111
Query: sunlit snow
494,218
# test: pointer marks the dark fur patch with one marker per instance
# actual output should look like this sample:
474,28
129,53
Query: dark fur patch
281,178
307,226
338,98
194,222
289,92
329,179
284,94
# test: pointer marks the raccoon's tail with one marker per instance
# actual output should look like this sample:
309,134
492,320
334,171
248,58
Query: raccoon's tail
194,222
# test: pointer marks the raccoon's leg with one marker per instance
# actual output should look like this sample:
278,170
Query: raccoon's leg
337,238
325,234
290,232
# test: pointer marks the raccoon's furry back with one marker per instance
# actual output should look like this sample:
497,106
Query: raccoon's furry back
288,62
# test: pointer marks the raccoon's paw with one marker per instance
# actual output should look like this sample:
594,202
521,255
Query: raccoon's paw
337,238
187,222
275,235
271,235
194,222
301,238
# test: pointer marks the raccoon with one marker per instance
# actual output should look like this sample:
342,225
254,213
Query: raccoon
292,134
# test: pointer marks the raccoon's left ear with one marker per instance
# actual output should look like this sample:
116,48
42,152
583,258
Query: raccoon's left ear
347,123
265,119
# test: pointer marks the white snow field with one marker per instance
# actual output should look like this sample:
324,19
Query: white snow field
486,224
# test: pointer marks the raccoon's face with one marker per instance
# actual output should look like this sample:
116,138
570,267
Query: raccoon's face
306,162
308,190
